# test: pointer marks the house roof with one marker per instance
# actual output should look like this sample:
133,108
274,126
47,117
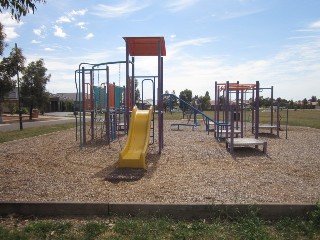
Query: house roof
145,46
65,96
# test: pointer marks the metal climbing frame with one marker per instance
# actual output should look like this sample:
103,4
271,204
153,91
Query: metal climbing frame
135,46
240,90
95,100
149,78
271,126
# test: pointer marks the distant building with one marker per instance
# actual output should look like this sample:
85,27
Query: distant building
57,102
61,102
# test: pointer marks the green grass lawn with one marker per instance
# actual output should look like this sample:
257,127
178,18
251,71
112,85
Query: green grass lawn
246,227
6,136
303,118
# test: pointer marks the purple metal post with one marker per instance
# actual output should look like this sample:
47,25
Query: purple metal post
241,116
271,109
126,107
252,110
227,107
107,113
232,129
133,84
92,100
257,111
160,122
237,107
278,118
84,107
162,135
216,107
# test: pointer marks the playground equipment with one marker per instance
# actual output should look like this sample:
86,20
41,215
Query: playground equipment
146,46
195,110
134,153
232,110
223,103
102,100
109,106
273,105
236,110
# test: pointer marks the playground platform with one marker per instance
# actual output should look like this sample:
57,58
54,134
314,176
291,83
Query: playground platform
243,142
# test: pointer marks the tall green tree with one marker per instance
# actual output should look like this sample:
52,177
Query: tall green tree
136,92
9,67
205,101
166,101
33,85
185,95
313,99
18,8
2,38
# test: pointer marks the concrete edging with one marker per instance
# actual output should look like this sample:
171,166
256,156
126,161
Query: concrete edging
176,211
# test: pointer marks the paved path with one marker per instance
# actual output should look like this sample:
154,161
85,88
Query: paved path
16,125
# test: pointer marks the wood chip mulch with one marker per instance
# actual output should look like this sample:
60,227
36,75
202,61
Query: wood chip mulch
193,168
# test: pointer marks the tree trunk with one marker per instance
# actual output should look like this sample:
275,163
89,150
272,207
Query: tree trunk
1,119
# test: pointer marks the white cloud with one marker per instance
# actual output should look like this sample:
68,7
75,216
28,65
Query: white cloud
40,32
78,13
37,32
10,33
63,19
35,42
70,16
237,14
315,24
125,8
59,32
178,5
192,42
89,35
81,25
177,46
49,49
10,26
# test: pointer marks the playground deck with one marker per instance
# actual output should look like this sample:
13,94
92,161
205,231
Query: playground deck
243,142
268,126
193,168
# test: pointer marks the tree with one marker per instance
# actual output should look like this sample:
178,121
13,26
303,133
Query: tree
304,102
313,99
205,101
33,85
2,38
8,69
136,92
185,95
19,7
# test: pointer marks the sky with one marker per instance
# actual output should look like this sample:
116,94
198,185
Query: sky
276,42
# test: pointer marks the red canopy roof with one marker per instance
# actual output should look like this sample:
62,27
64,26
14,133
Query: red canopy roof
145,46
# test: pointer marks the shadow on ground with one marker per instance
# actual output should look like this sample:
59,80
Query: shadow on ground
114,174
244,152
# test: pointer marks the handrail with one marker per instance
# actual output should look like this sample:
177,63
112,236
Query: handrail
193,108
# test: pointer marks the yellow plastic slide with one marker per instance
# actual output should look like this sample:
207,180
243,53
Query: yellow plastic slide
134,153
